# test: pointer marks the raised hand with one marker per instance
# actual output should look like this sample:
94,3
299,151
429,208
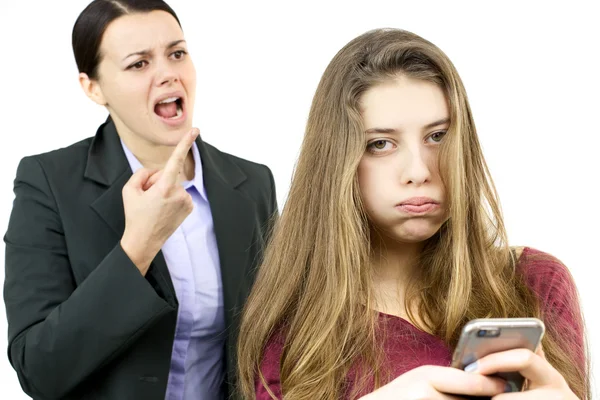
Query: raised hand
155,205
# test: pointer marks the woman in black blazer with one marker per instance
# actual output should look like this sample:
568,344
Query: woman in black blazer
110,286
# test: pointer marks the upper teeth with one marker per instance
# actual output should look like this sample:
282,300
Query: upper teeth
169,100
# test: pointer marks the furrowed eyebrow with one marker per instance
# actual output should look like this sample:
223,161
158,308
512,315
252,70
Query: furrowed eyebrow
175,43
146,52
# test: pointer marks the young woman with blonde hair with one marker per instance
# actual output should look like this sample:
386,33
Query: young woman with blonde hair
392,239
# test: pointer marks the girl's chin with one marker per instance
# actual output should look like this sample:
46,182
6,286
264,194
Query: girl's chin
414,234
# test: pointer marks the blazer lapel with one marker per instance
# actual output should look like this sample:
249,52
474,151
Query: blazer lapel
234,218
233,213
108,166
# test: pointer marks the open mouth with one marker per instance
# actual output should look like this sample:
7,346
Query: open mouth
170,108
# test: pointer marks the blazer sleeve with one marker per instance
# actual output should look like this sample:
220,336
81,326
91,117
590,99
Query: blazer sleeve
59,333
273,208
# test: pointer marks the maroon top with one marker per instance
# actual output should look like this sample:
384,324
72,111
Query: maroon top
407,347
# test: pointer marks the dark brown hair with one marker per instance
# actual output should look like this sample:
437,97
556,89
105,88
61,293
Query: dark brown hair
93,21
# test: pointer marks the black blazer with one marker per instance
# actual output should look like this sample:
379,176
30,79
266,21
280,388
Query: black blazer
83,323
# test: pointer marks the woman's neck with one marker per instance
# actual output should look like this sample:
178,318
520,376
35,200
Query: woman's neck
155,157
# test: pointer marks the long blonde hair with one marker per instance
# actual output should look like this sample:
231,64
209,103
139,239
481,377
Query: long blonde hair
315,280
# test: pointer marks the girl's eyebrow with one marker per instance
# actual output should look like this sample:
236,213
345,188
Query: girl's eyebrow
439,122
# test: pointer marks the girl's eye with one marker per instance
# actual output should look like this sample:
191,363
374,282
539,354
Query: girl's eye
378,146
437,136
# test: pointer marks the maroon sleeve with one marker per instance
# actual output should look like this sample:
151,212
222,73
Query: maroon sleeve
270,369
551,281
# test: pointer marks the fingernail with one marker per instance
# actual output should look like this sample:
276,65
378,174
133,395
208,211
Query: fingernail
472,367
194,133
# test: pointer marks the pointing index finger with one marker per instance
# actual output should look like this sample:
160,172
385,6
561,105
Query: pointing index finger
175,162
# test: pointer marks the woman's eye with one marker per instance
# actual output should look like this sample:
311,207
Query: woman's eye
437,136
138,65
179,54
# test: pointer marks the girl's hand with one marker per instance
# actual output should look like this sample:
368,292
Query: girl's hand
437,383
544,382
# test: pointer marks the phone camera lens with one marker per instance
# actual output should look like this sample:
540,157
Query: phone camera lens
494,332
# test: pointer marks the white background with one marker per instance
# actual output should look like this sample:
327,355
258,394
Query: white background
530,69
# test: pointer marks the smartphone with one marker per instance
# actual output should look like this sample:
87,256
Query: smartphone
481,337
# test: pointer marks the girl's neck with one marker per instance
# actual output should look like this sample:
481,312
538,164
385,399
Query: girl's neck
393,260
393,264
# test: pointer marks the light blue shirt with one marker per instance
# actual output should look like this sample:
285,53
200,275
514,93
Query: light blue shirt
191,254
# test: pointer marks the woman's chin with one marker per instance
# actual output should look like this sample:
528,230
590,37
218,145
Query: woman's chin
172,137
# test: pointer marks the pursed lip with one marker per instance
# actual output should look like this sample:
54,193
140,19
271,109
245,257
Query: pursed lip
417,201
418,205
